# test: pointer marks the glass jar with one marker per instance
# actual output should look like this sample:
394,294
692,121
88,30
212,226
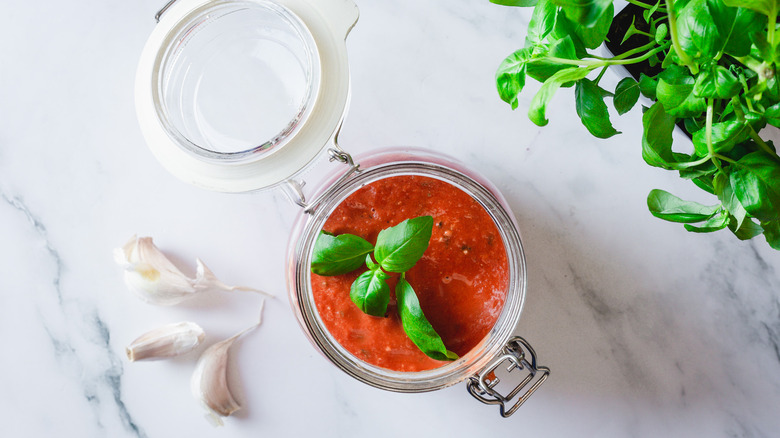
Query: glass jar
242,95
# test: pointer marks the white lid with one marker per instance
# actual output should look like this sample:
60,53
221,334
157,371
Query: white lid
239,95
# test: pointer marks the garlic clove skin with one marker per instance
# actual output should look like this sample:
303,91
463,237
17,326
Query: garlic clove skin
206,280
166,341
152,276
209,381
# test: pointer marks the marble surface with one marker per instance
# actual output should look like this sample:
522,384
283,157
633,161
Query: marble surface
648,330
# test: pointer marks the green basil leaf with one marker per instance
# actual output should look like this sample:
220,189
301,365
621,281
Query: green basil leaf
704,169
725,136
416,326
371,293
335,255
647,86
675,92
657,137
521,3
748,230
510,76
541,69
772,233
772,114
536,111
592,109
585,12
626,95
755,180
765,7
370,263
661,32
542,22
593,36
715,223
716,81
564,27
697,34
668,207
722,188
745,25
398,248
765,50
705,183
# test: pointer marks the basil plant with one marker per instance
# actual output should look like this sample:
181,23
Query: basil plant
717,61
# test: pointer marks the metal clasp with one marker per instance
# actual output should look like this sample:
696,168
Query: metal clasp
162,11
294,188
519,355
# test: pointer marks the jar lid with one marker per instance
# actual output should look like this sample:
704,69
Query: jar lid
239,95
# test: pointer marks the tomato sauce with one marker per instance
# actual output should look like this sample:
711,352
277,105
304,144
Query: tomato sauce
461,280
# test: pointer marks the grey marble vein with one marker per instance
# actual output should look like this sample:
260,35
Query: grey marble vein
64,346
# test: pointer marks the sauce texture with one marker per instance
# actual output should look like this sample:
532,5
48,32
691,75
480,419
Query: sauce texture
461,280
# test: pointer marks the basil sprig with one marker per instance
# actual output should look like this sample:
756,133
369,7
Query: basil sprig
397,250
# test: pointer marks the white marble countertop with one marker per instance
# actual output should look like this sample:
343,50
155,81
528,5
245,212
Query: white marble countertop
649,330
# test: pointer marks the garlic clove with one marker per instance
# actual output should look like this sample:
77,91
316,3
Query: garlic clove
156,280
166,341
209,381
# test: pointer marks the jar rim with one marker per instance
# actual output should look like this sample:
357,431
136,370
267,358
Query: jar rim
169,93
299,282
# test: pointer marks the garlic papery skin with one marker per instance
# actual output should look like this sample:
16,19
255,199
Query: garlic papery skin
167,341
209,382
152,276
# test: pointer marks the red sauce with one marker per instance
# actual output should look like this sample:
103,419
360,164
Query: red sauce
461,280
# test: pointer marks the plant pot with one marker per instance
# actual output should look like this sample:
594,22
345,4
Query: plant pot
615,44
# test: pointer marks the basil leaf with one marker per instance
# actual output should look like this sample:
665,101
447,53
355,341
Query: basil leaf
756,183
371,293
675,92
748,230
510,76
772,233
715,223
668,207
739,30
536,111
765,7
722,188
716,81
416,326
370,263
657,137
647,86
697,34
725,136
593,36
626,95
398,248
772,114
660,33
514,2
592,109
542,22
541,69
335,255
585,12
564,27
705,183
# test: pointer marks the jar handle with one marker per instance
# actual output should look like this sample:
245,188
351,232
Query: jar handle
294,188
519,354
